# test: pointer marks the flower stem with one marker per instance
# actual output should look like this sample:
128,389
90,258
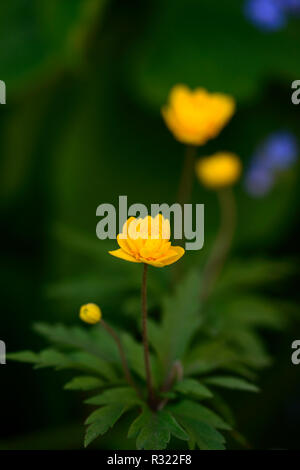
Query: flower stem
185,193
187,176
175,374
126,369
145,337
222,243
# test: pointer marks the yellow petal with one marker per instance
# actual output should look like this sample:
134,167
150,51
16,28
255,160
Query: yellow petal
126,225
196,116
127,245
219,170
123,255
150,248
172,255
181,132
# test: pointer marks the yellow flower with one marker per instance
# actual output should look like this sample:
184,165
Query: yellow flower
147,241
196,116
90,313
219,170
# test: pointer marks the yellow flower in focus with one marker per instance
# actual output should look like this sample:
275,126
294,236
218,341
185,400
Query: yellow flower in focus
219,170
90,313
196,116
147,241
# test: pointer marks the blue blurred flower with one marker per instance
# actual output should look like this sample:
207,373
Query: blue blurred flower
277,153
268,15
290,6
280,150
271,15
259,181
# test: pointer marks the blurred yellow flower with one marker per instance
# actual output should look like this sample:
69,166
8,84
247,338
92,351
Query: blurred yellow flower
196,116
147,241
219,170
90,313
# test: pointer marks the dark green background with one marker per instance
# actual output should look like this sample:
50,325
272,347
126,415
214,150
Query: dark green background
82,125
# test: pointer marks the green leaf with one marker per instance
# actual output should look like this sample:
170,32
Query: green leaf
249,311
175,429
208,356
200,424
135,357
250,347
97,414
46,358
180,319
106,417
153,430
223,409
234,383
74,360
95,341
84,382
206,437
122,395
134,354
23,356
257,311
194,410
252,273
95,364
193,387
53,358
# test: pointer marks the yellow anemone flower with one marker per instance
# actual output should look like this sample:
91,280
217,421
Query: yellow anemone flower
147,241
196,116
90,313
219,170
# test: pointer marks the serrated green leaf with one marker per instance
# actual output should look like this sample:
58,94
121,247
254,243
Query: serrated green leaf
235,383
180,319
152,437
137,424
208,356
46,358
192,387
122,395
107,416
134,354
76,360
153,430
194,410
95,341
223,409
23,356
206,437
135,357
95,364
53,358
200,424
84,382
175,429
